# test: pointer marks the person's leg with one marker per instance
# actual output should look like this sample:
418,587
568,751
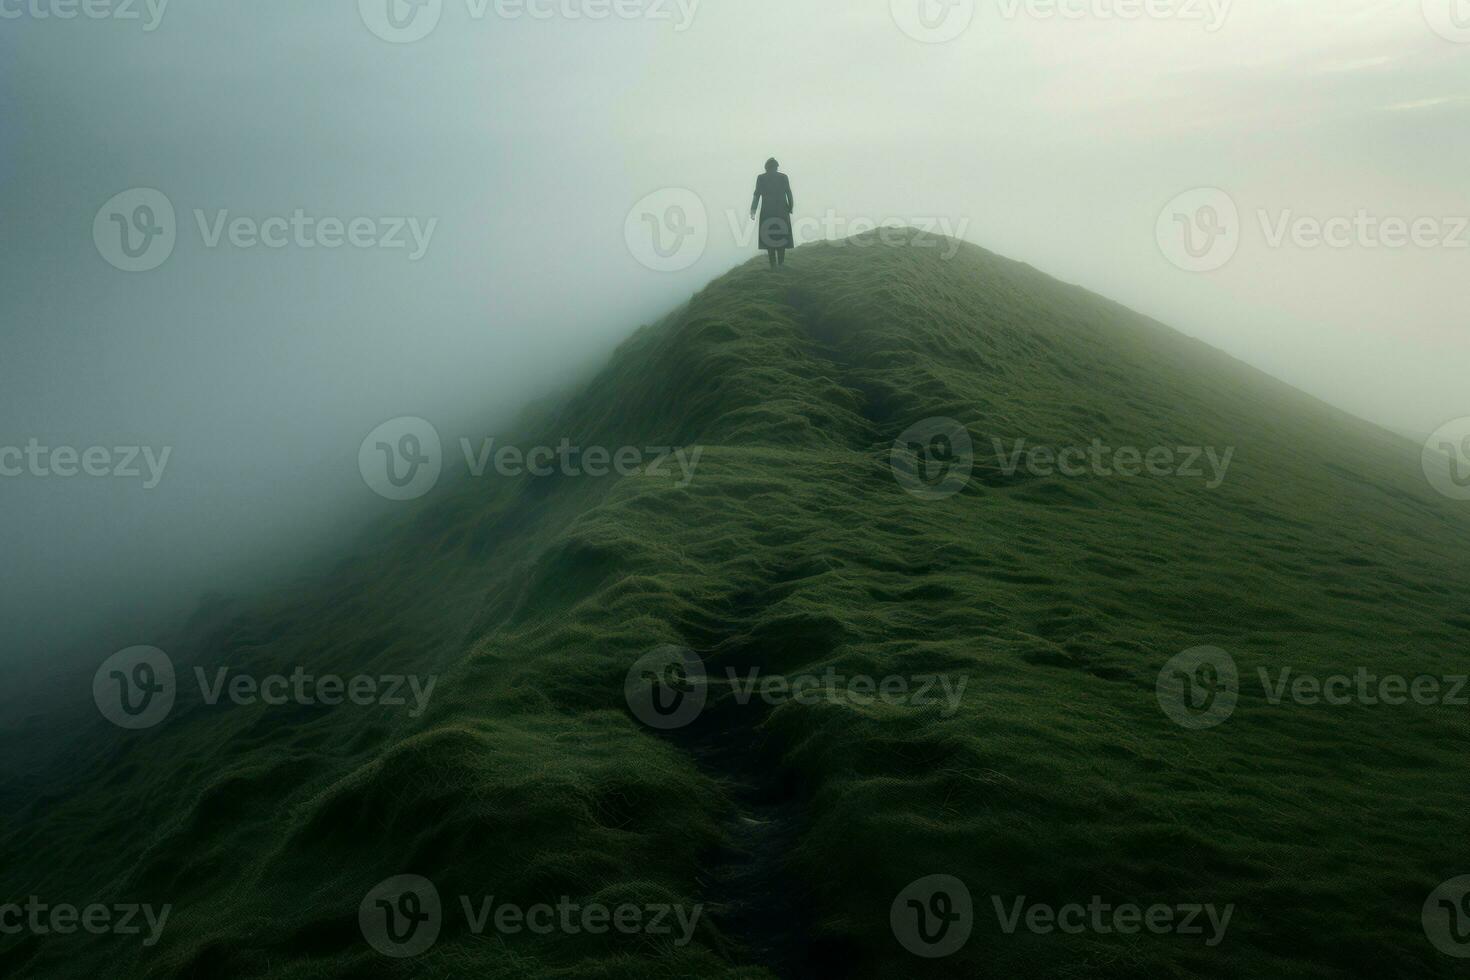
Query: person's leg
781,256
771,254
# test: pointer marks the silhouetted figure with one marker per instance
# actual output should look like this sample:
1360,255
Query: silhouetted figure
773,198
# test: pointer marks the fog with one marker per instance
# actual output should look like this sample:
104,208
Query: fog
506,152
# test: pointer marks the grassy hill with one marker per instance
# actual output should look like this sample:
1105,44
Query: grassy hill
806,545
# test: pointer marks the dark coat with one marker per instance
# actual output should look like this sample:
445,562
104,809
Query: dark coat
773,194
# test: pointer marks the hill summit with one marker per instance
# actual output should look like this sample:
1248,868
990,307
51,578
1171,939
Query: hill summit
961,599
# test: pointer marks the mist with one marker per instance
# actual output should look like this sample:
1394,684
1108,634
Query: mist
504,165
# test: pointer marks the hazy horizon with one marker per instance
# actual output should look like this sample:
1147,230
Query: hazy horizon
518,156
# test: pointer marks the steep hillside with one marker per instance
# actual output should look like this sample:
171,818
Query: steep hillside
806,545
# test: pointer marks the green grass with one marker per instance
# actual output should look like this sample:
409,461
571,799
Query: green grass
795,549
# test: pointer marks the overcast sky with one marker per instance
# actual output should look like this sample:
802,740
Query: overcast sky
530,151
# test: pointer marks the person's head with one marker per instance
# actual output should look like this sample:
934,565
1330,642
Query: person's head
771,165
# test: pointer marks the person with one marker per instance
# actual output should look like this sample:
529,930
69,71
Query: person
773,198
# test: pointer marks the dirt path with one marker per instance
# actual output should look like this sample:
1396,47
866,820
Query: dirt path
748,884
